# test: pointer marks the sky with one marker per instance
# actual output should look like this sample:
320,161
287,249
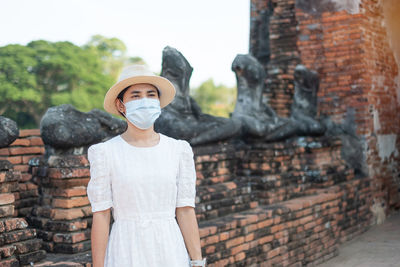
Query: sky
209,33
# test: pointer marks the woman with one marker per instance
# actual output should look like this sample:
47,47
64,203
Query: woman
146,179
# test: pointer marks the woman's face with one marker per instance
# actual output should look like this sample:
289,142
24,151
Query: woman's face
140,90
137,91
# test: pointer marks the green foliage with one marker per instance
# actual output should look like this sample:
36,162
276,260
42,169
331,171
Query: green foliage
43,74
217,100
113,53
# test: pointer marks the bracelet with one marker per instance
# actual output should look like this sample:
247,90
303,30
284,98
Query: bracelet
201,263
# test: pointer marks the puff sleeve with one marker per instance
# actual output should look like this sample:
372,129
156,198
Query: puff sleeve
99,186
186,180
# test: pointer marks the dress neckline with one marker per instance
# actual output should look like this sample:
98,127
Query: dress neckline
142,147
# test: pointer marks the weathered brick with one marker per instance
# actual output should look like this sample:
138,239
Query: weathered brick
26,150
72,237
7,198
70,202
60,173
7,210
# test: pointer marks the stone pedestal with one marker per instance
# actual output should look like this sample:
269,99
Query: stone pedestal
18,243
63,216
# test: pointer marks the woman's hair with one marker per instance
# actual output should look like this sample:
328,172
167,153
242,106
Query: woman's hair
121,96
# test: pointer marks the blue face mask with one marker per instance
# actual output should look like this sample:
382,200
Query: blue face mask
142,112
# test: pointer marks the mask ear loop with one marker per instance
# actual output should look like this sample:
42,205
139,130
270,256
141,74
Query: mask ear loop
124,106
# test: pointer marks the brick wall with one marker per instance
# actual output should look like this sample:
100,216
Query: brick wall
27,146
284,55
355,59
290,202
379,77
62,215
298,202
19,245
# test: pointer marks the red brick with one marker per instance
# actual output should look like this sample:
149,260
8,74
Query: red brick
9,262
67,203
273,253
234,242
25,159
21,168
15,159
249,237
6,198
241,256
240,248
4,151
211,240
6,211
81,191
210,250
223,236
20,142
29,132
36,141
66,214
11,224
7,251
73,237
265,223
60,173
265,239
25,150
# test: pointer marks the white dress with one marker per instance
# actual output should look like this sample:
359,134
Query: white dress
143,186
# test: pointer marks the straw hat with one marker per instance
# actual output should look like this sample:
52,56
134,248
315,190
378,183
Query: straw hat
135,74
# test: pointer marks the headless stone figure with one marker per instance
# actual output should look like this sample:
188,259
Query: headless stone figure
304,107
256,118
183,118
64,127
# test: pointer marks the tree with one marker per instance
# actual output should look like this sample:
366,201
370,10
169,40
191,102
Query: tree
44,74
215,100
113,53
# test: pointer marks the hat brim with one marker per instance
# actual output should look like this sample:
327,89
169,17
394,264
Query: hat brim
166,88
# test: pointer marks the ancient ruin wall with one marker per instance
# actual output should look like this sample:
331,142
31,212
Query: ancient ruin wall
353,47
27,146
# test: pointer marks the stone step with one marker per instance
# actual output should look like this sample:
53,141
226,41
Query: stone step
60,259
275,188
224,198
294,232
244,192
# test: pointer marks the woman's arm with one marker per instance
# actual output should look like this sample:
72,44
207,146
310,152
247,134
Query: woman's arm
99,236
187,221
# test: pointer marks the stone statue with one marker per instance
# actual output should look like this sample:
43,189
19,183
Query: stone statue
183,118
257,119
304,107
260,25
64,127
352,149
9,131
